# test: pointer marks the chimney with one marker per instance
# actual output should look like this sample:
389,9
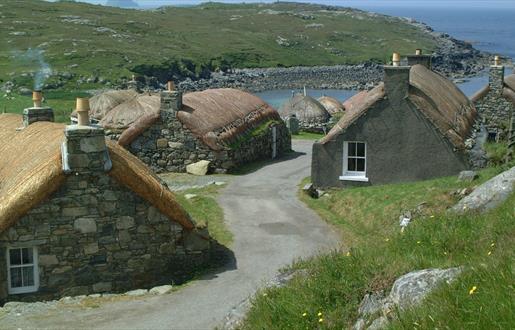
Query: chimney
84,149
171,99
396,80
37,112
418,58
133,84
496,76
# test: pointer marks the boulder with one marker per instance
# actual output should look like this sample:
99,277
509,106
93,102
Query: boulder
467,176
488,195
163,289
198,168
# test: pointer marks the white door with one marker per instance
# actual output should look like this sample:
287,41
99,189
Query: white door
274,142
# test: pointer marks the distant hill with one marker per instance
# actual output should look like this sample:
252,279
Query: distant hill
84,42
122,3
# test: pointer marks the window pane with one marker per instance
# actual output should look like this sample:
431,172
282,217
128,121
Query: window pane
15,256
27,256
361,149
360,165
351,164
352,149
28,276
16,278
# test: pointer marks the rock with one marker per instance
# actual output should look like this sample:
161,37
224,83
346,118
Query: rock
48,260
310,190
175,145
408,290
137,292
163,289
198,168
162,143
124,222
85,225
219,183
190,196
488,195
379,323
359,325
371,304
467,176
102,287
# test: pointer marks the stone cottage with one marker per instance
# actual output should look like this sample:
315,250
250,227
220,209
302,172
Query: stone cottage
310,114
495,102
168,132
411,127
332,105
81,215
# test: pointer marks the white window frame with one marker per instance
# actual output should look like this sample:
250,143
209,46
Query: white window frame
353,175
34,264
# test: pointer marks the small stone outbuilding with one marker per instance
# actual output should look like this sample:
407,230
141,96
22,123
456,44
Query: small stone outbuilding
495,102
169,131
411,127
311,114
81,215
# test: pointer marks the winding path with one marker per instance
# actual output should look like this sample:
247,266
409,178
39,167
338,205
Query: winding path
271,229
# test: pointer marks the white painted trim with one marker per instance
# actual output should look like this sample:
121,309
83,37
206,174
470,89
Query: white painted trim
24,289
353,178
353,175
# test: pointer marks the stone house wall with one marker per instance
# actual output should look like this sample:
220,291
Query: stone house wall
94,235
494,108
169,146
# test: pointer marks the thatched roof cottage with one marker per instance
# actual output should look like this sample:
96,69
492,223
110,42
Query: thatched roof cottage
332,105
168,132
81,215
411,127
495,102
311,115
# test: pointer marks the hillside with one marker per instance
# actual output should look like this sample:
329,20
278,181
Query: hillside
89,44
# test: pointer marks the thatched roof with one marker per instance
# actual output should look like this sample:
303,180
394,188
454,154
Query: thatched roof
104,102
332,105
216,116
305,108
508,90
354,101
31,171
437,98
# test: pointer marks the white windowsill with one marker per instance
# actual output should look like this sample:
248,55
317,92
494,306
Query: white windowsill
354,178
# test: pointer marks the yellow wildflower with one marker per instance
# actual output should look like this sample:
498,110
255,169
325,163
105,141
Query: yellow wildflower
348,254
432,216
320,320
418,242
489,252
387,239
473,290
265,294
492,245
319,314
304,314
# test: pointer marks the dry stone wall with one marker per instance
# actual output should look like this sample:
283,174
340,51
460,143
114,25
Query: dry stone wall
94,235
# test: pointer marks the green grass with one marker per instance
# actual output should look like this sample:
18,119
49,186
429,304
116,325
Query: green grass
376,253
496,152
205,210
307,136
81,41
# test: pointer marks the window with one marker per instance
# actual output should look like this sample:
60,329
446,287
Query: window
22,268
354,161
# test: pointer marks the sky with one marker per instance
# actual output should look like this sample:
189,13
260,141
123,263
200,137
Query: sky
347,3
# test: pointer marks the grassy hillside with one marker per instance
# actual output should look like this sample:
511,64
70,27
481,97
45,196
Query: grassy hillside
377,253
94,44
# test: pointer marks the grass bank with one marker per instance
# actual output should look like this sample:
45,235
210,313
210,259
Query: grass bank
307,136
377,253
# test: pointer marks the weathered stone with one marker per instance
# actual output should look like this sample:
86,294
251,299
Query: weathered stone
138,292
48,260
371,304
198,168
124,222
467,176
74,211
163,289
61,270
162,143
85,225
359,325
93,144
379,323
91,248
102,287
167,248
124,236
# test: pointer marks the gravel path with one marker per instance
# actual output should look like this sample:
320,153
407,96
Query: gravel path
271,227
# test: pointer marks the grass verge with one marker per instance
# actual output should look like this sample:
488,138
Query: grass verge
330,295
307,136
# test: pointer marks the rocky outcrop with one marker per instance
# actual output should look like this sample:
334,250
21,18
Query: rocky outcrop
488,195
408,291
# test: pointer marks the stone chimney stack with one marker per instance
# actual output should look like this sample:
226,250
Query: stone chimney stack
418,58
396,80
37,112
496,76
84,149
171,99
133,84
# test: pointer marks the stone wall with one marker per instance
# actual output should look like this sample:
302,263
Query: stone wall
494,108
94,235
169,146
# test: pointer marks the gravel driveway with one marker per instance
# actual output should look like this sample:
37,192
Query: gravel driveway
271,229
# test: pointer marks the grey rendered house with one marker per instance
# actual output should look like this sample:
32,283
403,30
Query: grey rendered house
411,127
